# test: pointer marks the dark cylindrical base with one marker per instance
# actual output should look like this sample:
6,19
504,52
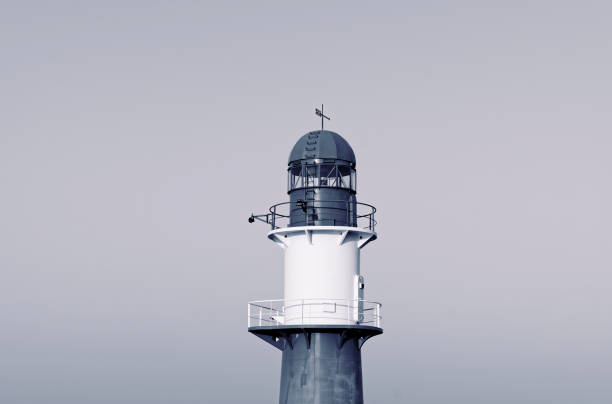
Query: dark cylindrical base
321,368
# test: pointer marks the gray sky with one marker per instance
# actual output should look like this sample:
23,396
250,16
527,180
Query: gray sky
137,137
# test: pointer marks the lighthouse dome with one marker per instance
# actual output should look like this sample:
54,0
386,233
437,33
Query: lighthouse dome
322,144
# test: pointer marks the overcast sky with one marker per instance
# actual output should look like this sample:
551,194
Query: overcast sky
137,137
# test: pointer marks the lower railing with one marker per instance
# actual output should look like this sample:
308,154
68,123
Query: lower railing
276,313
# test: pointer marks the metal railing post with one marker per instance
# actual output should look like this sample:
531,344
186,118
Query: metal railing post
348,314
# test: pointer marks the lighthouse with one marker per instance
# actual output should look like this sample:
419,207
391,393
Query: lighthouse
323,319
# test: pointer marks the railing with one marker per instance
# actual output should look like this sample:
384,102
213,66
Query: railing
358,214
276,313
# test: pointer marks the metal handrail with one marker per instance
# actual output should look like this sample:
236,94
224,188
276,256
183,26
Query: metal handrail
272,218
279,312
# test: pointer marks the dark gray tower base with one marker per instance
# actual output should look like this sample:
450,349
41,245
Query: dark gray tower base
321,364
322,373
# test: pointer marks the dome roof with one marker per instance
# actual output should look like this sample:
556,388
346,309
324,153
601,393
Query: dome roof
322,144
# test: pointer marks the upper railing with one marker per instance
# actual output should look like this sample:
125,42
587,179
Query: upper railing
329,312
281,214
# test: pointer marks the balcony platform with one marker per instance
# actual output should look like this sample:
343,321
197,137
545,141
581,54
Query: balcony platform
285,336
282,322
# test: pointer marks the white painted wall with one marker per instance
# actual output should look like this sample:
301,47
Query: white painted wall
322,272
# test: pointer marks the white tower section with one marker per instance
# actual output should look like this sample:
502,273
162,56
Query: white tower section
322,281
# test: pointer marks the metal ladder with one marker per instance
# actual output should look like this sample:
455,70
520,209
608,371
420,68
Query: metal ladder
311,212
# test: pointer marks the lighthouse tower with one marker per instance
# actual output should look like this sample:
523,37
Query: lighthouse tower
323,319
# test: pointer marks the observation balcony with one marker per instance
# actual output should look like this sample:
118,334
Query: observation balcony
319,213
335,313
